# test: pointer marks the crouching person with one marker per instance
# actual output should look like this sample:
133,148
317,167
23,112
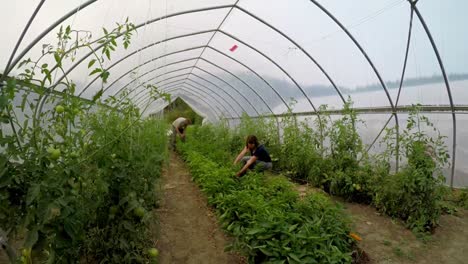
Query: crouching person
258,160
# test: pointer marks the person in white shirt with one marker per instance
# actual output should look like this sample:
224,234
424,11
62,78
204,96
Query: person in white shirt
178,129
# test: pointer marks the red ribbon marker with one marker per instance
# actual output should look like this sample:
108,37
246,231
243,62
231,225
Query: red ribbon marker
233,48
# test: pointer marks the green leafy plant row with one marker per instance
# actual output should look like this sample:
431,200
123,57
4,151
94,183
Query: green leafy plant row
330,154
77,177
268,220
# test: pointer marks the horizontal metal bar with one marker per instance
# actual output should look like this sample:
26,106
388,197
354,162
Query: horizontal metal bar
433,109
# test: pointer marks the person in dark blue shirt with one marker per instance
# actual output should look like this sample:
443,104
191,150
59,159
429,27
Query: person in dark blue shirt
259,158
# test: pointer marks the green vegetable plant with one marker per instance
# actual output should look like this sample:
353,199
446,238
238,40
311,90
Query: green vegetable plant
268,220
300,148
415,193
60,188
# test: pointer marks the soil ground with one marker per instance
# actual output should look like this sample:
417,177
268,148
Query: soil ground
386,240
188,231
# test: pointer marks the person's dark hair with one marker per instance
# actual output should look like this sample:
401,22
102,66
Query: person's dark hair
252,140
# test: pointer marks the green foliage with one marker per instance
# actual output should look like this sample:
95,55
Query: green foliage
264,128
202,139
462,199
180,108
345,143
63,172
299,151
129,167
414,194
268,220
349,177
344,168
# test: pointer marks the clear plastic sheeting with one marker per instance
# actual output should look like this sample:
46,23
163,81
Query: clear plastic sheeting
199,106
443,124
247,78
461,168
371,128
156,107
227,58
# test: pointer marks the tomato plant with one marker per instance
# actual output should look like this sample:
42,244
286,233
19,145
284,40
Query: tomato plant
59,187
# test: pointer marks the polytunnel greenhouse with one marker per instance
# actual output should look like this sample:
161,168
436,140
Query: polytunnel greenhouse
229,131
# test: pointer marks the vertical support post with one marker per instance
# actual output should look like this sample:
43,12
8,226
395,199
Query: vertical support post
449,92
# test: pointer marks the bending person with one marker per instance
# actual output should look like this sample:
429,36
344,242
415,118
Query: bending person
259,158
178,129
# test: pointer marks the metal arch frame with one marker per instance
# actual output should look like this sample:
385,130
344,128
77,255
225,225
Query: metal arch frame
228,84
15,49
363,52
146,62
148,72
155,44
176,62
217,86
213,92
206,9
253,90
181,69
254,72
194,92
234,110
138,26
149,22
297,45
333,18
285,72
219,112
217,29
215,102
234,75
147,81
6,71
45,32
274,63
271,110
182,94
408,42
83,6
361,49
191,67
123,98
251,70
163,74
142,99
41,103
220,52
199,84
216,112
447,85
196,88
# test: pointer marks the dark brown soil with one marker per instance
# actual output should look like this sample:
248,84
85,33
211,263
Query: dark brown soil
386,240
188,231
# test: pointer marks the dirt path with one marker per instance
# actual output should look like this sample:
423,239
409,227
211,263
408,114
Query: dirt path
388,241
188,231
